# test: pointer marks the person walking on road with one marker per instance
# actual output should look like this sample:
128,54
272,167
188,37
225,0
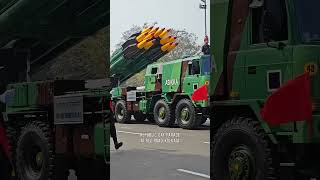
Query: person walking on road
113,132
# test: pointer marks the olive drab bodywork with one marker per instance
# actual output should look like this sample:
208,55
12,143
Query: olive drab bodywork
259,46
170,86
52,125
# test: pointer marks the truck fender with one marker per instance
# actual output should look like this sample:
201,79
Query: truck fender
244,107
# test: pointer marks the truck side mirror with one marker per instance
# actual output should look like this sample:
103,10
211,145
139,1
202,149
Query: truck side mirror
256,4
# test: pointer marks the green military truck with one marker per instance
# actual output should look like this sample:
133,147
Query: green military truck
167,94
259,47
54,126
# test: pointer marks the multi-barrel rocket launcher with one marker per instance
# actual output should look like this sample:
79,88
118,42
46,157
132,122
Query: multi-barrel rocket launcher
140,50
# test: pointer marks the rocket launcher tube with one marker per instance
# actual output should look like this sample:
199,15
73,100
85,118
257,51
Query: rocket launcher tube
129,42
165,40
164,33
141,44
116,55
149,36
133,54
168,39
147,30
172,46
149,44
153,30
158,32
172,39
165,47
141,37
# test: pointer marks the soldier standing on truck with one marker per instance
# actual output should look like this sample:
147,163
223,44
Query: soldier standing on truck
206,47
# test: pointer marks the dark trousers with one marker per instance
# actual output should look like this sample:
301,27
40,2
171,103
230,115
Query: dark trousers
113,130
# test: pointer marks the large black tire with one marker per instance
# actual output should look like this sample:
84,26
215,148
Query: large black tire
35,158
186,115
121,112
163,114
92,169
140,117
240,147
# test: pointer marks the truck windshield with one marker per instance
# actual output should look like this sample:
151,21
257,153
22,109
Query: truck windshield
206,65
308,23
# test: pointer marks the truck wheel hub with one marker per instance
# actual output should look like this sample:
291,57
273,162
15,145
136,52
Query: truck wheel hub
35,159
162,112
39,159
184,114
240,162
120,113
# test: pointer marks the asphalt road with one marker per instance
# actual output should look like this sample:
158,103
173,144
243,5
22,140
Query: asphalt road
154,153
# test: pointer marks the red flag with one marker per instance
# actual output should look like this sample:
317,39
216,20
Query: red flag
111,105
291,102
200,93
4,143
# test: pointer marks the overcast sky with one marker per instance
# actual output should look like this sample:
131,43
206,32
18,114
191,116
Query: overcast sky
176,14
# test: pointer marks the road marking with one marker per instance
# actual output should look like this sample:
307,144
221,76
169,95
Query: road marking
206,142
127,132
194,173
125,127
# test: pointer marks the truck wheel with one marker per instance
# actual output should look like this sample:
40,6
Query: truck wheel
140,117
186,115
163,114
121,113
35,152
241,151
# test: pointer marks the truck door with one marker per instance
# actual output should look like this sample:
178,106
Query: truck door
191,79
151,79
268,58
